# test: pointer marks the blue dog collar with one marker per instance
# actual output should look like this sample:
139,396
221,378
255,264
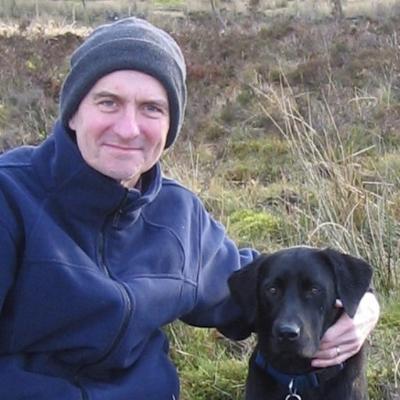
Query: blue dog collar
298,381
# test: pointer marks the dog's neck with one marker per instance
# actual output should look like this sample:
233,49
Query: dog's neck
302,381
289,364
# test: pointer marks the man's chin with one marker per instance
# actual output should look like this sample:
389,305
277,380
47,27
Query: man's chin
130,182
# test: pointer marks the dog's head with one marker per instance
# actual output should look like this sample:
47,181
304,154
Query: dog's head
289,296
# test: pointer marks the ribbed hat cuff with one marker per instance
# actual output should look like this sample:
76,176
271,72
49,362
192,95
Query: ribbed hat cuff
125,54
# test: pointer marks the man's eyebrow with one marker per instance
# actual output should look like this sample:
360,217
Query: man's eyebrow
103,93
155,100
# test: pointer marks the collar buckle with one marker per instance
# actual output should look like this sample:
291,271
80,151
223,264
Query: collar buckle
292,392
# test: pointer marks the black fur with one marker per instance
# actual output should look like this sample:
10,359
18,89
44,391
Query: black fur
289,298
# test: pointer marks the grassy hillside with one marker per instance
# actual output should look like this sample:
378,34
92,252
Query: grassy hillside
291,136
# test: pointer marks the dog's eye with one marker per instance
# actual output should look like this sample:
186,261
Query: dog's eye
272,290
314,291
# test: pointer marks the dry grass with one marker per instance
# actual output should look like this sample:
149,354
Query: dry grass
72,11
291,123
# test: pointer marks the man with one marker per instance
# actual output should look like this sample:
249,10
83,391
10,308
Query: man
99,250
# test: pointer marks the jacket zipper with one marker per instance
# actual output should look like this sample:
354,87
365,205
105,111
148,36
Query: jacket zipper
84,395
122,289
114,217
127,301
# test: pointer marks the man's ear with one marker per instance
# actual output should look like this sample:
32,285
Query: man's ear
71,122
243,286
353,278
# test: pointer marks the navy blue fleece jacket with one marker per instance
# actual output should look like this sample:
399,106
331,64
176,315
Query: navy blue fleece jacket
90,272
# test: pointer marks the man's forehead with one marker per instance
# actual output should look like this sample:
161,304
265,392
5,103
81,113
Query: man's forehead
128,82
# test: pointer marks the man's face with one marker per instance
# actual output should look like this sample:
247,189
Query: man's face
122,124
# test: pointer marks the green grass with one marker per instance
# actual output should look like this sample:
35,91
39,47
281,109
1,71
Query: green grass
169,3
291,137
208,366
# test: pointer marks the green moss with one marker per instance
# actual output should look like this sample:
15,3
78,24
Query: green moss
265,148
250,226
261,159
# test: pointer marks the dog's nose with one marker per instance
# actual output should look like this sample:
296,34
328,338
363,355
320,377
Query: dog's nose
289,332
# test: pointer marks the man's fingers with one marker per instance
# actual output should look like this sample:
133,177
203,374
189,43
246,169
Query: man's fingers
343,328
334,355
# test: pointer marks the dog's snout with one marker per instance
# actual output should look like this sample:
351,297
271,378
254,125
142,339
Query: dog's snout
290,332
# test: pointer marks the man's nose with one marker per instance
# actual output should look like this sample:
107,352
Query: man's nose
127,126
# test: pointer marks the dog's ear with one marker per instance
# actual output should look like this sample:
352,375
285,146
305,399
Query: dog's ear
353,278
243,287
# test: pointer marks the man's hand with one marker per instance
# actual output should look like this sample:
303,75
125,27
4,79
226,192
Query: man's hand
345,338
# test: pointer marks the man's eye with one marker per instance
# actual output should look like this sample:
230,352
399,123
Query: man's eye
153,108
107,103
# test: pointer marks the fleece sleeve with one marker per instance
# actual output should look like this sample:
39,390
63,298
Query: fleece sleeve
218,258
8,261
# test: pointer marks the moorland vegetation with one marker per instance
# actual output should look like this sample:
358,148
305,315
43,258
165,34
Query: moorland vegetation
292,136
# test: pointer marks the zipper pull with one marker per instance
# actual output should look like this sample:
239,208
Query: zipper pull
119,212
116,218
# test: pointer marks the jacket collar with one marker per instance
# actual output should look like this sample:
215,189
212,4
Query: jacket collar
85,192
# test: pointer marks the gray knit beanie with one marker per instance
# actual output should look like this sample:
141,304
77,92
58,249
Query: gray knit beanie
128,44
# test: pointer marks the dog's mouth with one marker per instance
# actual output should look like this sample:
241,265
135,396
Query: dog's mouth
293,339
291,360
293,350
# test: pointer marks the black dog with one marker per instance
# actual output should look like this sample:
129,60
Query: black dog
289,299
